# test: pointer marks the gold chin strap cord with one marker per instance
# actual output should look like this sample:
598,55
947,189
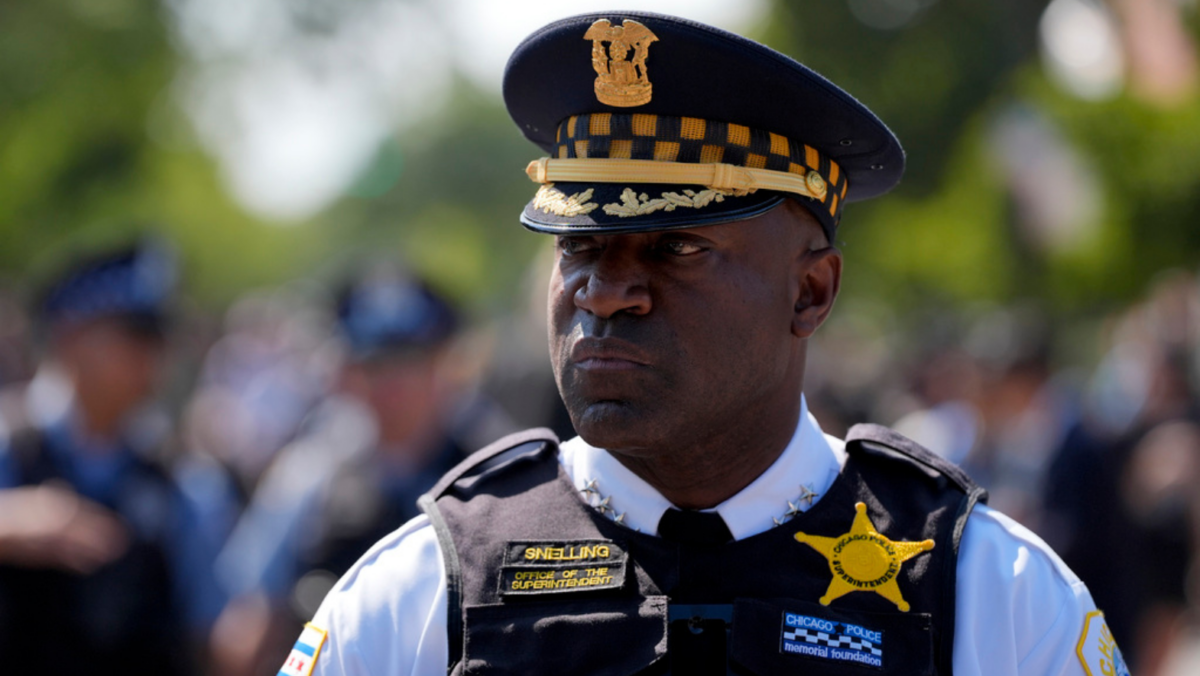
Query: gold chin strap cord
738,180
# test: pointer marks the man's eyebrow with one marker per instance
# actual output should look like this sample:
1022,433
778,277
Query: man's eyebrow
683,234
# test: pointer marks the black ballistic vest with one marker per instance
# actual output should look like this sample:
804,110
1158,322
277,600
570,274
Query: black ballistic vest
120,619
538,582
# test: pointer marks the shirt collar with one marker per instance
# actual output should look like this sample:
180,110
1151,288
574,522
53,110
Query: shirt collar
811,460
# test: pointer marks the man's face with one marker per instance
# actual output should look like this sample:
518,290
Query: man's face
405,390
660,339
113,365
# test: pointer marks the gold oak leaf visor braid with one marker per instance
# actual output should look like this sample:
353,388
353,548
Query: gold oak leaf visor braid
629,172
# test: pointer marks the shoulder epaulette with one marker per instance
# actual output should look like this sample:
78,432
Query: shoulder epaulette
880,438
495,455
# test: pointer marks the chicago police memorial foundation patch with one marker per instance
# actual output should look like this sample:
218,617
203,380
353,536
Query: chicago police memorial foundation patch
827,639
536,567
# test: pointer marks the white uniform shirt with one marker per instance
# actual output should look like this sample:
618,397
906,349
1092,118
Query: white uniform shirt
1019,609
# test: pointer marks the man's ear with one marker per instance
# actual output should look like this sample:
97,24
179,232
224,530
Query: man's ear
819,277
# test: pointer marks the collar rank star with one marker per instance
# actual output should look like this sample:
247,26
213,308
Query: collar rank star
864,560
621,81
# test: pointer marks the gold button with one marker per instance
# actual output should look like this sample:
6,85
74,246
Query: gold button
816,185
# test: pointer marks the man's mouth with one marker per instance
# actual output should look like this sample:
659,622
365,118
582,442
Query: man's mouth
607,354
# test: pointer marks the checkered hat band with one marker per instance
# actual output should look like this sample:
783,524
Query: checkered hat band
693,140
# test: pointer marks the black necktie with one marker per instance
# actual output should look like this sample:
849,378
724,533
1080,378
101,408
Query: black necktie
694,528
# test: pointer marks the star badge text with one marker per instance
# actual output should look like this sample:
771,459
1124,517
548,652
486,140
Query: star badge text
864,560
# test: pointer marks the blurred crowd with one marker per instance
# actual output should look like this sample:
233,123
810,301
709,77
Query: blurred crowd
178,494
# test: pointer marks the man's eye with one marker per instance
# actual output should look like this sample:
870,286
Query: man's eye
575,245
681,248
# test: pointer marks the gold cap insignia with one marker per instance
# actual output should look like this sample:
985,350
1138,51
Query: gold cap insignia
621,81
864,560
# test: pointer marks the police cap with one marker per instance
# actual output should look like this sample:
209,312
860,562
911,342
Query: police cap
387,310
134,284
654,122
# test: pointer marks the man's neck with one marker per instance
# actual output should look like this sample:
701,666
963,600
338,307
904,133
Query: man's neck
100,428
707,473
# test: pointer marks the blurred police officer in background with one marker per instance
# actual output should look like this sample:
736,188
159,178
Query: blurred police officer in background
94,534
702,522
394,425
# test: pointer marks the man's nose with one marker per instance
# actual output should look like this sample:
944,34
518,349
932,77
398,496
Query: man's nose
614,284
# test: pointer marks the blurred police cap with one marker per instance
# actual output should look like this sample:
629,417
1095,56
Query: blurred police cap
133,283
386,309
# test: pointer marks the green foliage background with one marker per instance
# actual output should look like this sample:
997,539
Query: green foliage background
93,147
947,234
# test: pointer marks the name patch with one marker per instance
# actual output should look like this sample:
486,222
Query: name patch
827,639
556,566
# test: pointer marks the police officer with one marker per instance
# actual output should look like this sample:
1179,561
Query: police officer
368,452
91,525
399,333
702,523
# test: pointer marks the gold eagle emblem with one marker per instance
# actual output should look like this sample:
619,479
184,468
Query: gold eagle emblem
621,80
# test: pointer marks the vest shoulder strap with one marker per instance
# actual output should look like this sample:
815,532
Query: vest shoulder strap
879,438
495,456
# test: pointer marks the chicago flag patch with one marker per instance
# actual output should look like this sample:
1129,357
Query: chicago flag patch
305,653
827,639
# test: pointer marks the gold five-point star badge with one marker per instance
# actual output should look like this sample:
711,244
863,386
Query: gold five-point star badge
864,560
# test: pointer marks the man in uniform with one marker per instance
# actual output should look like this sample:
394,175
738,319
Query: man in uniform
99,557
701,523
368,452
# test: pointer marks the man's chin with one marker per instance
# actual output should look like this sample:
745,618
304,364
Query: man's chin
616,426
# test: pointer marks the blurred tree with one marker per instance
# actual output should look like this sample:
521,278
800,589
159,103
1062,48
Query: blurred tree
93,149
923,66
946,75
457,188
93,146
